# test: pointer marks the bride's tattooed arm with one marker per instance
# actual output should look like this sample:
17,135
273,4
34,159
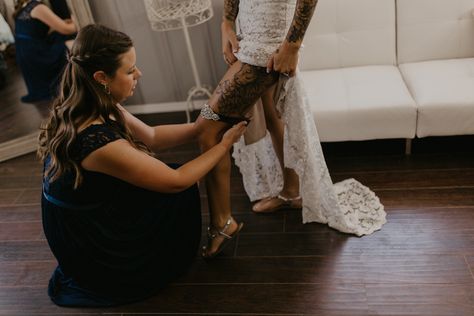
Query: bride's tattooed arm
303,13
231,9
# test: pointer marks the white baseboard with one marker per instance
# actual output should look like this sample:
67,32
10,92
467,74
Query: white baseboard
19,146
29,143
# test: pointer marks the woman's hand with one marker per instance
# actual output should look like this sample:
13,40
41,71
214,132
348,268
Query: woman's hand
233,134
284,60
230,44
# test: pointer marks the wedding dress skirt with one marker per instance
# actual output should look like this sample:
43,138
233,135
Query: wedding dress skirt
347,206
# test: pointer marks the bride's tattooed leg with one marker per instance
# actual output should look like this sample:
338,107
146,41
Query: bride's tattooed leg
238,94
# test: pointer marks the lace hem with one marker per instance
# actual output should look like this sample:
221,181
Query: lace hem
347,206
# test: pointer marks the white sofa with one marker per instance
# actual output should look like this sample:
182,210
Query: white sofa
376,69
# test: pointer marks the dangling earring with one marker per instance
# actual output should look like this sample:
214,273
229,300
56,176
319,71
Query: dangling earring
106,88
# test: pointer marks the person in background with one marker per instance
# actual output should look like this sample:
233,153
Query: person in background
6,39
40,56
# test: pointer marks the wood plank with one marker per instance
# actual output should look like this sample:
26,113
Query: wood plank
347,299
26,231
11,251
413,221
34,301
27,159
26,273
470,263
424,299
457,178
327,241
14,213
342,299
21,182
30,196
21,167
427,198
357,269
61,312
8,197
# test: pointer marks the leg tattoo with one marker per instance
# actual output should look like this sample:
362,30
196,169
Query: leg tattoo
237,95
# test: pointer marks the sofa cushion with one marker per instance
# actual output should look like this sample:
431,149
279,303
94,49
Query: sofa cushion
444,92
434,29
347,33
360,103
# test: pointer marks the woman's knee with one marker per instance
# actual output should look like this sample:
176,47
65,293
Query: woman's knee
207,141
209,133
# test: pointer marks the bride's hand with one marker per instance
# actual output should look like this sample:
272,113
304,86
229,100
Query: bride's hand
230,44
284,60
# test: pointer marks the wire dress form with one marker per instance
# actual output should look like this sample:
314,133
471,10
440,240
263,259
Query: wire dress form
167,15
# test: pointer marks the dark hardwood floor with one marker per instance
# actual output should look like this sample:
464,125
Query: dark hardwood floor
420,263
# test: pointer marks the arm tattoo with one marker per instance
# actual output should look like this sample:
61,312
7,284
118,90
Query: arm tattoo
303,13
237,95
231,9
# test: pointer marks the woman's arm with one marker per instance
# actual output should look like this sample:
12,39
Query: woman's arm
162,136
285,59
303,13
45,15
121,160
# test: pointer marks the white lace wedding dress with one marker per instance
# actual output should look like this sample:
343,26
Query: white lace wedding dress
347,206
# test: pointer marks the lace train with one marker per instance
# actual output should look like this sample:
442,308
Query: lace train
347,206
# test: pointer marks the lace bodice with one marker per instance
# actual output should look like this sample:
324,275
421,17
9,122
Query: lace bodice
25,13
262,27
93,137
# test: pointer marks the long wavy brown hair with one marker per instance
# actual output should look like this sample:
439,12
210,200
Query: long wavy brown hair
81,99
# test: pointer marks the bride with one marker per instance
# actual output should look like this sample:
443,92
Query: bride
284,168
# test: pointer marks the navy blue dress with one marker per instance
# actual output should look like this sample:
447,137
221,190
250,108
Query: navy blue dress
41,57
115,243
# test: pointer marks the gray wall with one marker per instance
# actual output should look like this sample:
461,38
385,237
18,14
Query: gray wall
162,56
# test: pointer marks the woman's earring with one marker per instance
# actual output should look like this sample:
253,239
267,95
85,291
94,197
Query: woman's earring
106,88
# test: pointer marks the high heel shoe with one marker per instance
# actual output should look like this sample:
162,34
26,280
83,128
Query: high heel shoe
213,232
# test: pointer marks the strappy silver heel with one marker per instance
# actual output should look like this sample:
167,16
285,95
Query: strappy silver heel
213,232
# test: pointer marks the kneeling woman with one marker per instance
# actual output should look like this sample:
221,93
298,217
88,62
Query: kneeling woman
120,223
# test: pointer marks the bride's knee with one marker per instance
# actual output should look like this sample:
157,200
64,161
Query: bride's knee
208,138
209,133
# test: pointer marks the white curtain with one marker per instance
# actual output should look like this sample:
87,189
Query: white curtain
7,8
82,11
162,56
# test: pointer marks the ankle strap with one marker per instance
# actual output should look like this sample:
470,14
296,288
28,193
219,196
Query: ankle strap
220,232
288,199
